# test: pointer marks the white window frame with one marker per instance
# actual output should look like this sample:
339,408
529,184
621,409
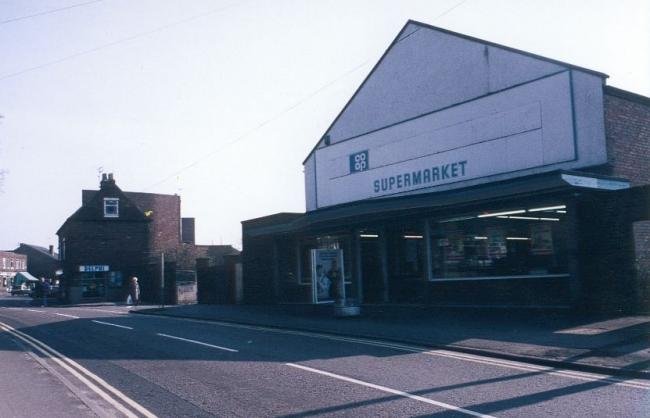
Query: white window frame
117,207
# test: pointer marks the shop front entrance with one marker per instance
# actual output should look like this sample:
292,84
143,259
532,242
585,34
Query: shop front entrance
371,272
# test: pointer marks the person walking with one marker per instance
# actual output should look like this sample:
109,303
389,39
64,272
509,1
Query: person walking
134,291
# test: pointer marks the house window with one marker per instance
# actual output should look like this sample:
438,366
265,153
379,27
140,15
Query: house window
111,207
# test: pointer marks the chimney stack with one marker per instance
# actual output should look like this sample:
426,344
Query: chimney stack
106,180
51,250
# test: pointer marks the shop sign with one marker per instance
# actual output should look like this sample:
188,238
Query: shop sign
327,275
93,268
359,162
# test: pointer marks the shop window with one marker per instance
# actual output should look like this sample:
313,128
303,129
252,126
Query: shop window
115,279
410,252
93,284
111,207
527,241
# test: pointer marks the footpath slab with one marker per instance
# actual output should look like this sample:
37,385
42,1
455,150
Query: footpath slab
613,345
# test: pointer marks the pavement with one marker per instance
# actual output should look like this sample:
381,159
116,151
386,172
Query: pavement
613,345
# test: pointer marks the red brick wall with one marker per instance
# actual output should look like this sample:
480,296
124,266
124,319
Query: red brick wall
11,261
627,128
165,216
641,234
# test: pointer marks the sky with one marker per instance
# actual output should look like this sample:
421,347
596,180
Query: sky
220,101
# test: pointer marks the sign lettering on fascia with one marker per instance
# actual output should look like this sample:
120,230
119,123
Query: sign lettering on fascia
420,178
89,269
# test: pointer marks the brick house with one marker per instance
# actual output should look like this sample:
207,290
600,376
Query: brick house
41,261
467,173
10,264
115,235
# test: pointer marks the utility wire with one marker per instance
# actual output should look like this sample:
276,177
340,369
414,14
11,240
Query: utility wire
258,126
116,42
47,12
281,113
448,10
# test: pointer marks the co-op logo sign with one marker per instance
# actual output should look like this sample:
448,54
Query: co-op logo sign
408,179
359,161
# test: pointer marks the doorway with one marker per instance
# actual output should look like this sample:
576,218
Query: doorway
371,272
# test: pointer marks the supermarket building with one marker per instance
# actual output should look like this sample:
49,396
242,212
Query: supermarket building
468,173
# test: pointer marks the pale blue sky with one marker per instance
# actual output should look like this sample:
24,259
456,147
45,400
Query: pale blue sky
220,101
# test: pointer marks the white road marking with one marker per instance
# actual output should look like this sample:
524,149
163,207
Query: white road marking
390,390
511,364
113,325
66,315
99,409
101,310
34,310
77,370
198,342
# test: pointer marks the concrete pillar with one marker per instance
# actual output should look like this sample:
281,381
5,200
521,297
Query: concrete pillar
298,267
383,254
428,263
573,250
358,271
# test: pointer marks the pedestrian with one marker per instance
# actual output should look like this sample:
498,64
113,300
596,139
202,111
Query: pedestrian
45,285
134,290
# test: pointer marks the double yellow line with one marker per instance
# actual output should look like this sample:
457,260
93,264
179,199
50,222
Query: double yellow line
95,383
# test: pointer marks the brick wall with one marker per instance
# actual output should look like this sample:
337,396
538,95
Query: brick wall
641,234
120,244
12,262
627,128
39,264
165,214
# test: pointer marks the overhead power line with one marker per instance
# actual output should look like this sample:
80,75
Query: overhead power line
281,113
47,12
258,126
116,42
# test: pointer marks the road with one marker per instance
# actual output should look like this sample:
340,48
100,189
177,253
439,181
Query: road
103,361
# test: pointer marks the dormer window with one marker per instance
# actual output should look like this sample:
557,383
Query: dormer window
111,207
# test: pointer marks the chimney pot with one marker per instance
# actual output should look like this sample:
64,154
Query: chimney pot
104,178
110,176
51,249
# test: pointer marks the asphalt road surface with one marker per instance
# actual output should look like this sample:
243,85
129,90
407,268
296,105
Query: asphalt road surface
103,361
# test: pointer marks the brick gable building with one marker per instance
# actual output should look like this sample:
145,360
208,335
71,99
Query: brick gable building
41,261
115,235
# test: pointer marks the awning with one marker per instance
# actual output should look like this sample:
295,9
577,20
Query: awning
376,209
25,276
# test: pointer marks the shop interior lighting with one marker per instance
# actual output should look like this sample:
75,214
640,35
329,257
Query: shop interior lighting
529,218
547,208
368,235
457,219
517,239
480,238
510,212
413,237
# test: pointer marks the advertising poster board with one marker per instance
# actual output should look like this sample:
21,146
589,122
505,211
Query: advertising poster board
541,236
327,275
